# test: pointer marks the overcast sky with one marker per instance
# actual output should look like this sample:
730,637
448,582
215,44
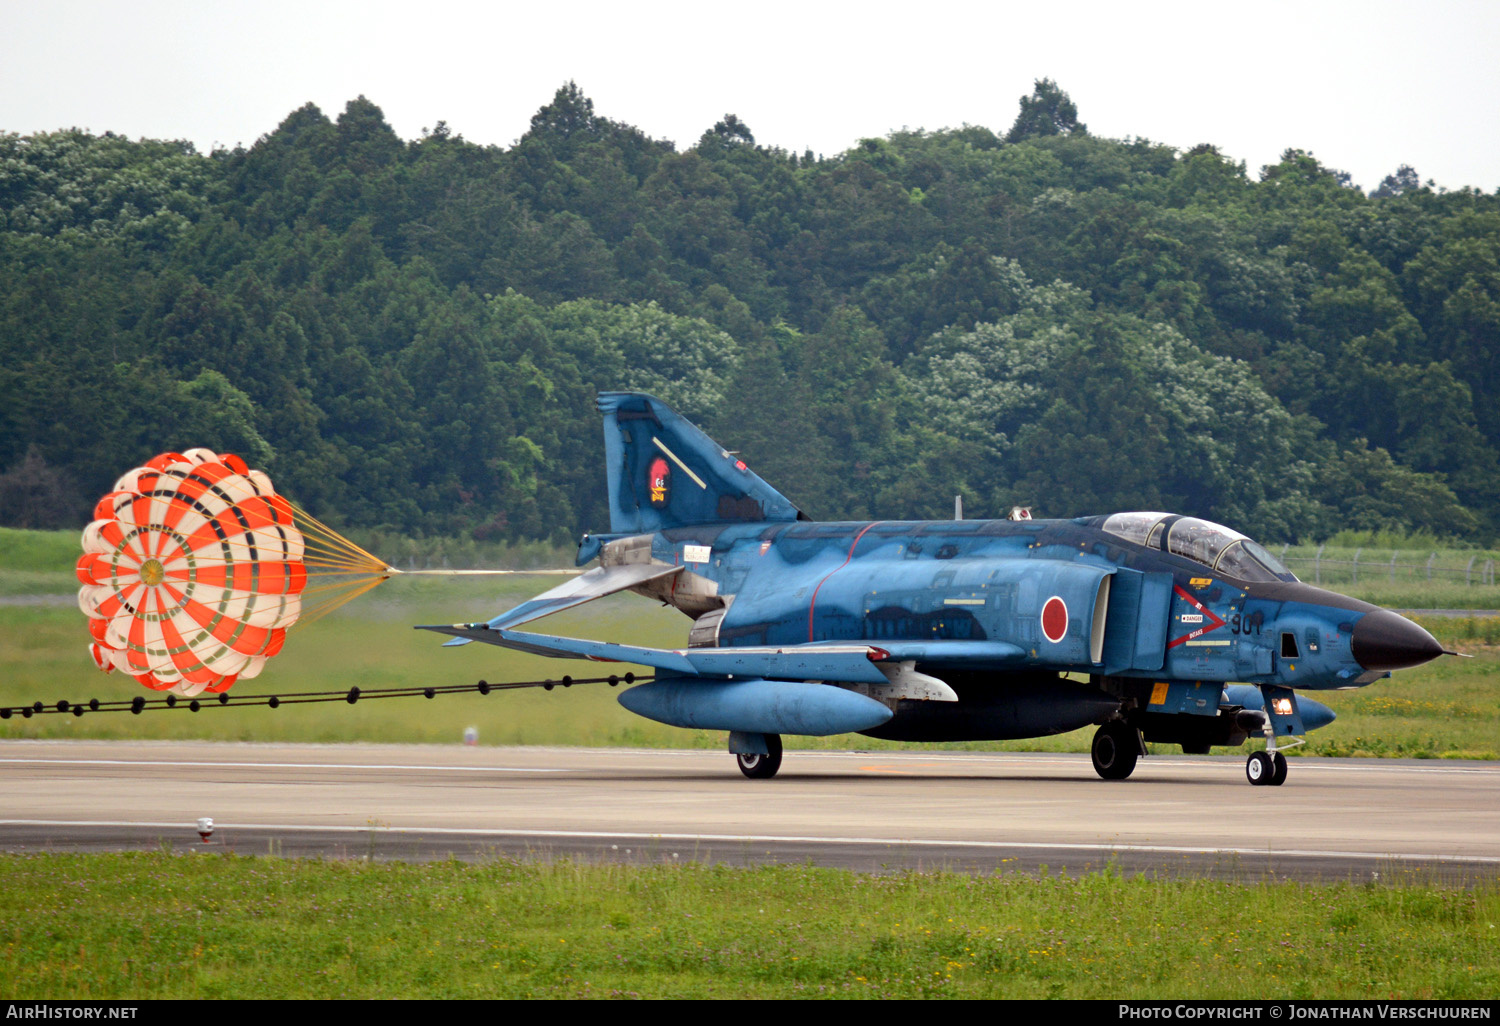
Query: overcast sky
1365,86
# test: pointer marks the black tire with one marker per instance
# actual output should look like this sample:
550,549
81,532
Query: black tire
1259,769
1278,770
1115,750
762,767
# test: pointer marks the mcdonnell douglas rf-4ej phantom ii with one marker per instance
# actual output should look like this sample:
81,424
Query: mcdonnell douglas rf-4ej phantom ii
951,630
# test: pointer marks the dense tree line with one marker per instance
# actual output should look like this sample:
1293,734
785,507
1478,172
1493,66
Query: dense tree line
409,335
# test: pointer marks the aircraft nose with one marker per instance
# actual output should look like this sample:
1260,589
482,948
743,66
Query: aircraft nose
1382,640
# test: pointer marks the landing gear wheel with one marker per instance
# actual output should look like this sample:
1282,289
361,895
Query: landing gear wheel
1278,770
1115,750
1259,769
762,767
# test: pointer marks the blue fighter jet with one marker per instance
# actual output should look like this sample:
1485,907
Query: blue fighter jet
951,630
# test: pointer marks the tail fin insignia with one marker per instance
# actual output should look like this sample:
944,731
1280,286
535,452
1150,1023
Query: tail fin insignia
664,472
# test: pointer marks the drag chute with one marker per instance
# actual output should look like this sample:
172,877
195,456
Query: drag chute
192,571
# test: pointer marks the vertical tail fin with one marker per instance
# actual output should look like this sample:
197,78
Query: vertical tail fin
664,472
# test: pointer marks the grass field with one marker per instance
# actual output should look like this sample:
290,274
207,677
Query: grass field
157,925
1448,709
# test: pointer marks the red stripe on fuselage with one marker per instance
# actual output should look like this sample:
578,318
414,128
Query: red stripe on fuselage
812,605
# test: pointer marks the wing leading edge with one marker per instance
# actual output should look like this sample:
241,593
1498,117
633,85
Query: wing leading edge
850,663
855,663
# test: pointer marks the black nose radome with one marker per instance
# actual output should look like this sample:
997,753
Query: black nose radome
1384,641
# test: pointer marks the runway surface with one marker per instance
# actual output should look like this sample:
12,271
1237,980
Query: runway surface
1334,819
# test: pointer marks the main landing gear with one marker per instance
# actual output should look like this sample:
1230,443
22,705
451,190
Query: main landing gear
758,766
1116,747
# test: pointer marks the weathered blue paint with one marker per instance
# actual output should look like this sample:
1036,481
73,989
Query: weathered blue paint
886,582
703,483
755,706
1037,626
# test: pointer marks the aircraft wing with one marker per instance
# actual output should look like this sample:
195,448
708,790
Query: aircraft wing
962,655
840,662
597,583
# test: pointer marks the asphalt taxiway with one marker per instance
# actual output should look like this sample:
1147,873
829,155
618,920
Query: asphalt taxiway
871,811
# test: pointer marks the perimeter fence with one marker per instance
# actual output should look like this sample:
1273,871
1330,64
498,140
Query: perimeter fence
1326,565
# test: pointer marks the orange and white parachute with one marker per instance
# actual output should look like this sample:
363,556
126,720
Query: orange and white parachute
192,571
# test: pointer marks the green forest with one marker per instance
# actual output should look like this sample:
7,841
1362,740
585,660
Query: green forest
408,336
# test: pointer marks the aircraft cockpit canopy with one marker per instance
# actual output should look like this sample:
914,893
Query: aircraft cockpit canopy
1216,547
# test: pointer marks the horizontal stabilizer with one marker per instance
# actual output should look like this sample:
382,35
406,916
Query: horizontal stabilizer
597,583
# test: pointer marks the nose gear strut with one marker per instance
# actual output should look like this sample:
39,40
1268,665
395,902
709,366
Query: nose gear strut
1268,768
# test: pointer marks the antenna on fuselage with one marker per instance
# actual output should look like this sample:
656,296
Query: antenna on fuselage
958,507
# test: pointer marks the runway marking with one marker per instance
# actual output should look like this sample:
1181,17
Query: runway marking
890,842
285,765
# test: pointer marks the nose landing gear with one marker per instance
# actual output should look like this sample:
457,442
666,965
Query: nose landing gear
1266,769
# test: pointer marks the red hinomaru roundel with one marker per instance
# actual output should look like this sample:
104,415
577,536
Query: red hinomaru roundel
1055,619
192,571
